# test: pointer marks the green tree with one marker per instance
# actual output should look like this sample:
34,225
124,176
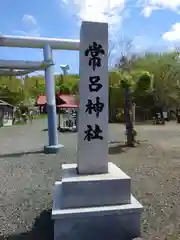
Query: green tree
165,70
131,88
12,97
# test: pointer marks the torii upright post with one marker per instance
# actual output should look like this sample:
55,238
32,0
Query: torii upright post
53,146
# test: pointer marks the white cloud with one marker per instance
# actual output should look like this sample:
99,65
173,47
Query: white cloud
147,11
173,34
29,19
31,27
111,11
151,5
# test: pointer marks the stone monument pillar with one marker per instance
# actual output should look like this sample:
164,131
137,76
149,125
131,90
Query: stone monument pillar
93,201
93,88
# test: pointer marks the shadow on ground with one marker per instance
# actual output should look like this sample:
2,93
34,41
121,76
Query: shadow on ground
41,230
62,131
45,130
19,154
116,149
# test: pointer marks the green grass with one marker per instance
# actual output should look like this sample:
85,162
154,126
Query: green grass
40,116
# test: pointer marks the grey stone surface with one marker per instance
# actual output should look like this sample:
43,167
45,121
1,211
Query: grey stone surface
93,155
105,222
111,188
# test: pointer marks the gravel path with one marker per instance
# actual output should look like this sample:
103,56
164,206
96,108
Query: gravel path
27,179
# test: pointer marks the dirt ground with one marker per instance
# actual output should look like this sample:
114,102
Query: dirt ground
27,177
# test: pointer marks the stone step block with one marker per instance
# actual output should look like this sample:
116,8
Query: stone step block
103,222
112,188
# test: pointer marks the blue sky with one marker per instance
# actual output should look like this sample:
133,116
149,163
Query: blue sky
150,25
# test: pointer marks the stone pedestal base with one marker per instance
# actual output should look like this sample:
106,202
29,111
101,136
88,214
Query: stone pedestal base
89,213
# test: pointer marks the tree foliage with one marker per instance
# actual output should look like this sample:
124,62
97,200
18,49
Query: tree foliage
153,80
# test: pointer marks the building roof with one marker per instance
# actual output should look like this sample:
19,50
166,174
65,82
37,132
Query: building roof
67,106
66,99
41,100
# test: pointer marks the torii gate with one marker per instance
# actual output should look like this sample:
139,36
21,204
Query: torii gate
25,67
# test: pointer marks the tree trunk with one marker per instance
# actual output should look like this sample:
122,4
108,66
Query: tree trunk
128,122
162,115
